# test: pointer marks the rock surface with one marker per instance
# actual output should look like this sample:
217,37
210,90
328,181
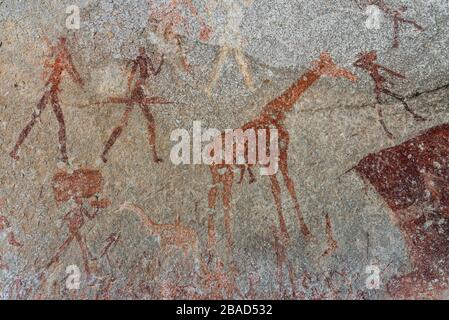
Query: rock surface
139,229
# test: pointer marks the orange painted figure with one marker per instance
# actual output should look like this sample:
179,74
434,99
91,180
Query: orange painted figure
81,186
273,116
62,63
398,19
367,61
142,69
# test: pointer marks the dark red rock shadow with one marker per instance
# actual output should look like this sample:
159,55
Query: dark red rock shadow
413,179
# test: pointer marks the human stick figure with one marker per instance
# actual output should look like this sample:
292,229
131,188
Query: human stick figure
62,63
367,62
80,186
231,42
397,17
141,70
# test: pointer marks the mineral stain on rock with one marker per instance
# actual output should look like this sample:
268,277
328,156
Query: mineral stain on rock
413,180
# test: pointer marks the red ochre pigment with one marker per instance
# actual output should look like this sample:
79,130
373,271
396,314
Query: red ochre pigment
413,179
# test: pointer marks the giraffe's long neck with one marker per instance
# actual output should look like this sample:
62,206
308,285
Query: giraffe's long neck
289,97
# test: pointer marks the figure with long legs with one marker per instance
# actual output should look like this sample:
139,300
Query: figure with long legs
62,63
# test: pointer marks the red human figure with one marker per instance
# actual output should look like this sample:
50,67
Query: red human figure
367,62
141,70
281,262
273,116
80,186
62,63
398,19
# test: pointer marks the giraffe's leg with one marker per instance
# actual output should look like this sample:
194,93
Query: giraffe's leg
62,136
227,207
216,70
151,127
242,173
116,133
404,103
283,165
26,130
244,69
292,277
212,196
276,190
211,237
279,261
395,33
212,201
252,178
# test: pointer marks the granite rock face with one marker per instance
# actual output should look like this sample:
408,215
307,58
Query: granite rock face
358,92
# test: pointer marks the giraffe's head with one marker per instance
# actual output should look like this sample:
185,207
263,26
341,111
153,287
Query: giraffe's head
326,67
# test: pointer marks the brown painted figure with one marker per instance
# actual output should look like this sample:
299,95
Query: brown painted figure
81,186
398,19
367,61
273,116
142,69
413,180
62,63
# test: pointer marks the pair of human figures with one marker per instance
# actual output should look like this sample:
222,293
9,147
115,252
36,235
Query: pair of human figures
141,66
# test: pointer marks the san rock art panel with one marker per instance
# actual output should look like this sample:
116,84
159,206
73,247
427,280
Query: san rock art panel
302,77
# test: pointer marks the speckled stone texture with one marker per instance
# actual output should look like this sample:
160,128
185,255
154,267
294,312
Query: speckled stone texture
368,176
